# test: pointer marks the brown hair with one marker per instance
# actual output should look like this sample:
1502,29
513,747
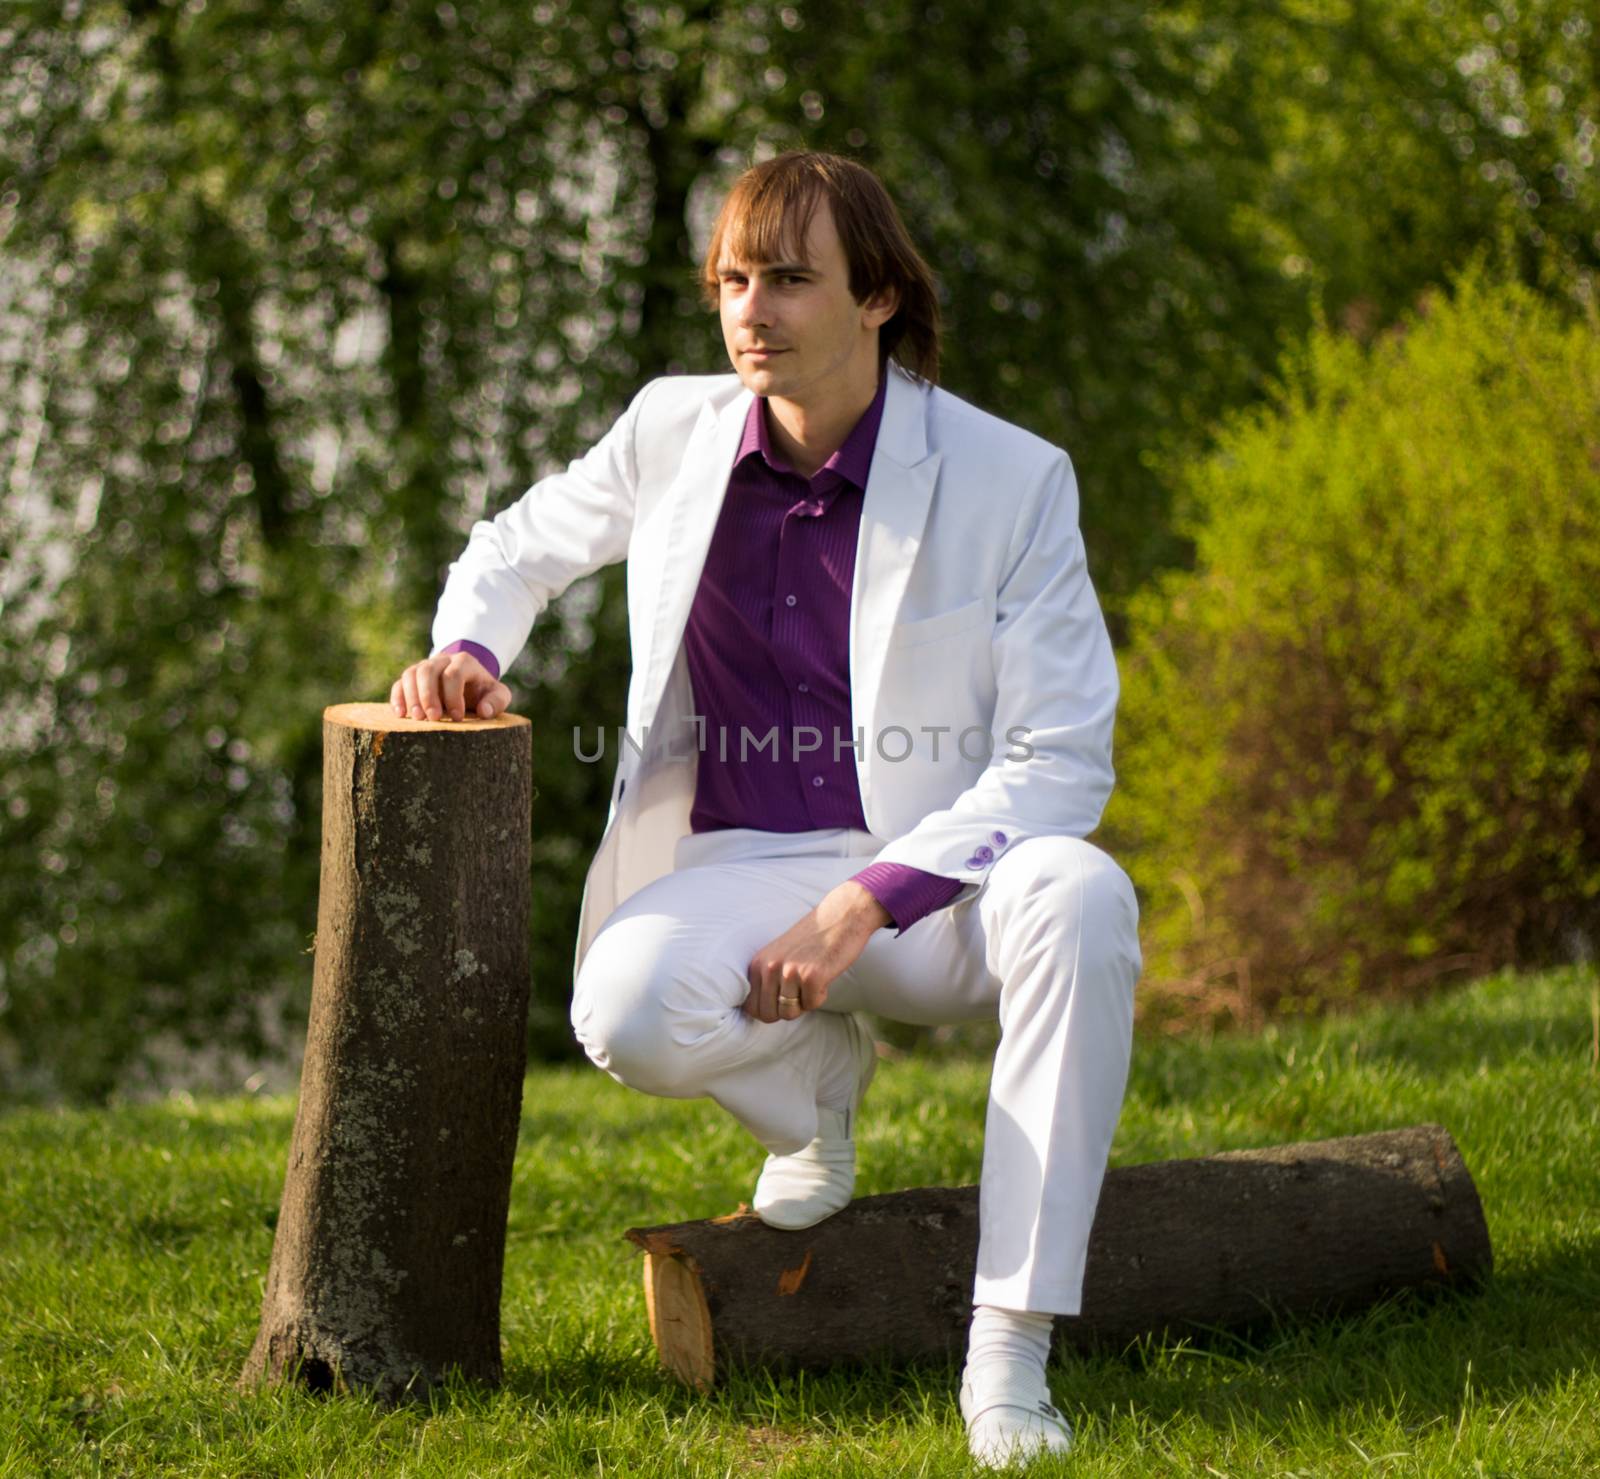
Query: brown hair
769,210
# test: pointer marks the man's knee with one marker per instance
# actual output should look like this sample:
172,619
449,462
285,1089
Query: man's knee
1067,884
623,1011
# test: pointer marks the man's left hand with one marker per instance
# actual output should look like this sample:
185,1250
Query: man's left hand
792,974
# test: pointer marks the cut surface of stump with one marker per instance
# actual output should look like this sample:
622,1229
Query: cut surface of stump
680,1323
387,1259
1319,1227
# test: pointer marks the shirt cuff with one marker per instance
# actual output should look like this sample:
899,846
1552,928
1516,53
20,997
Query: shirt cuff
477,650
906,892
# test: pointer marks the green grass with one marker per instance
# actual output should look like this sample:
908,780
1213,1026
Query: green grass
134,1243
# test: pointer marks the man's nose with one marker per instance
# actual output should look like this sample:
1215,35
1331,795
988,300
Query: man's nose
753,307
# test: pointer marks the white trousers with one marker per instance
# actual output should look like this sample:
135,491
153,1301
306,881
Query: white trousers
1050,944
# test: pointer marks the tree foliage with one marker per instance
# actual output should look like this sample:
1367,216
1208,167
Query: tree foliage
1360,735
292,296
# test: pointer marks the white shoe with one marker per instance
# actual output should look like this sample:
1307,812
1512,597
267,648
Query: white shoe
1011,1423
800,1190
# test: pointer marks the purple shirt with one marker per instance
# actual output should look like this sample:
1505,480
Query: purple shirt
768,651
768,639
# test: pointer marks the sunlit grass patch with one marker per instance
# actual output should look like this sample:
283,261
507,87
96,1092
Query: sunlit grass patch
134,1246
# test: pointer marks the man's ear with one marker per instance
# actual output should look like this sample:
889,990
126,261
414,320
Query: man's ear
885,302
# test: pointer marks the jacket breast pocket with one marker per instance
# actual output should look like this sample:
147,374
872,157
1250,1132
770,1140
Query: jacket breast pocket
945,624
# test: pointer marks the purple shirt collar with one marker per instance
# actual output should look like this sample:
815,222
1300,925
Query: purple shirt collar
851,462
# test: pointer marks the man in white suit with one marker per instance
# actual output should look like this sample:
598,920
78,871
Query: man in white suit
830,555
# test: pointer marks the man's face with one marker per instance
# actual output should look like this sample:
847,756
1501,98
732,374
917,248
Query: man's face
800,310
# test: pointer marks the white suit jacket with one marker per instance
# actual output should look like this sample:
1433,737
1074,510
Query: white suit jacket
971,611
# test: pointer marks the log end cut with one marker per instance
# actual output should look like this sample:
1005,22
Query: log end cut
680,1322
382,719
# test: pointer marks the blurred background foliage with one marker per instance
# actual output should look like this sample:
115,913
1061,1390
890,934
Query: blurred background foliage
1358,737
291,295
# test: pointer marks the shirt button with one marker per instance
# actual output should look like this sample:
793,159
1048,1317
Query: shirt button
805,687
816,780
788,600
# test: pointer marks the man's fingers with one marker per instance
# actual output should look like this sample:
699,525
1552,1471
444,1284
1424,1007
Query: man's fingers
449,686
408,689
790,992
496,701
465,683
428,689
452,675
763,1002
783,987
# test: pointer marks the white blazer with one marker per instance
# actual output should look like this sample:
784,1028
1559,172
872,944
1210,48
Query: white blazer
971,611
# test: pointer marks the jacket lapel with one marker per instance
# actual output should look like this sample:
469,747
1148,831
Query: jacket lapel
893,512
692,504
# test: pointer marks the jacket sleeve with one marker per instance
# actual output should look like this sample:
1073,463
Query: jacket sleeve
565,526
1056,685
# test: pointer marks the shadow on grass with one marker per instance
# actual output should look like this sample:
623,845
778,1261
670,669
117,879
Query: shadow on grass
1424,1355
857,1392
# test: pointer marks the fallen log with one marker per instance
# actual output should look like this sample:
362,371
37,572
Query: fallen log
387,1259
1320,1227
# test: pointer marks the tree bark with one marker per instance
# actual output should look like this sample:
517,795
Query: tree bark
1313,1228
387,1261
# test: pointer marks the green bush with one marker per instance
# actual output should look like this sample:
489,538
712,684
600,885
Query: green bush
1357,737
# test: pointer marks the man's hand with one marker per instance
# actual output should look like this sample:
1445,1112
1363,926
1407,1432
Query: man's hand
445,687
792,974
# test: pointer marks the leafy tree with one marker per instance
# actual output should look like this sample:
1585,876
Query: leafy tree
1137,208
292,296
1409,135
1359,737
307,299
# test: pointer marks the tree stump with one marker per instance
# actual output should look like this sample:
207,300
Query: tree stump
390,1243
1319,1227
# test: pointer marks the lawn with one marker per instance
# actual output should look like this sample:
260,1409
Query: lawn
134,1245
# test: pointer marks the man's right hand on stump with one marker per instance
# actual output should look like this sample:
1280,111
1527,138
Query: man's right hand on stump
447,687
